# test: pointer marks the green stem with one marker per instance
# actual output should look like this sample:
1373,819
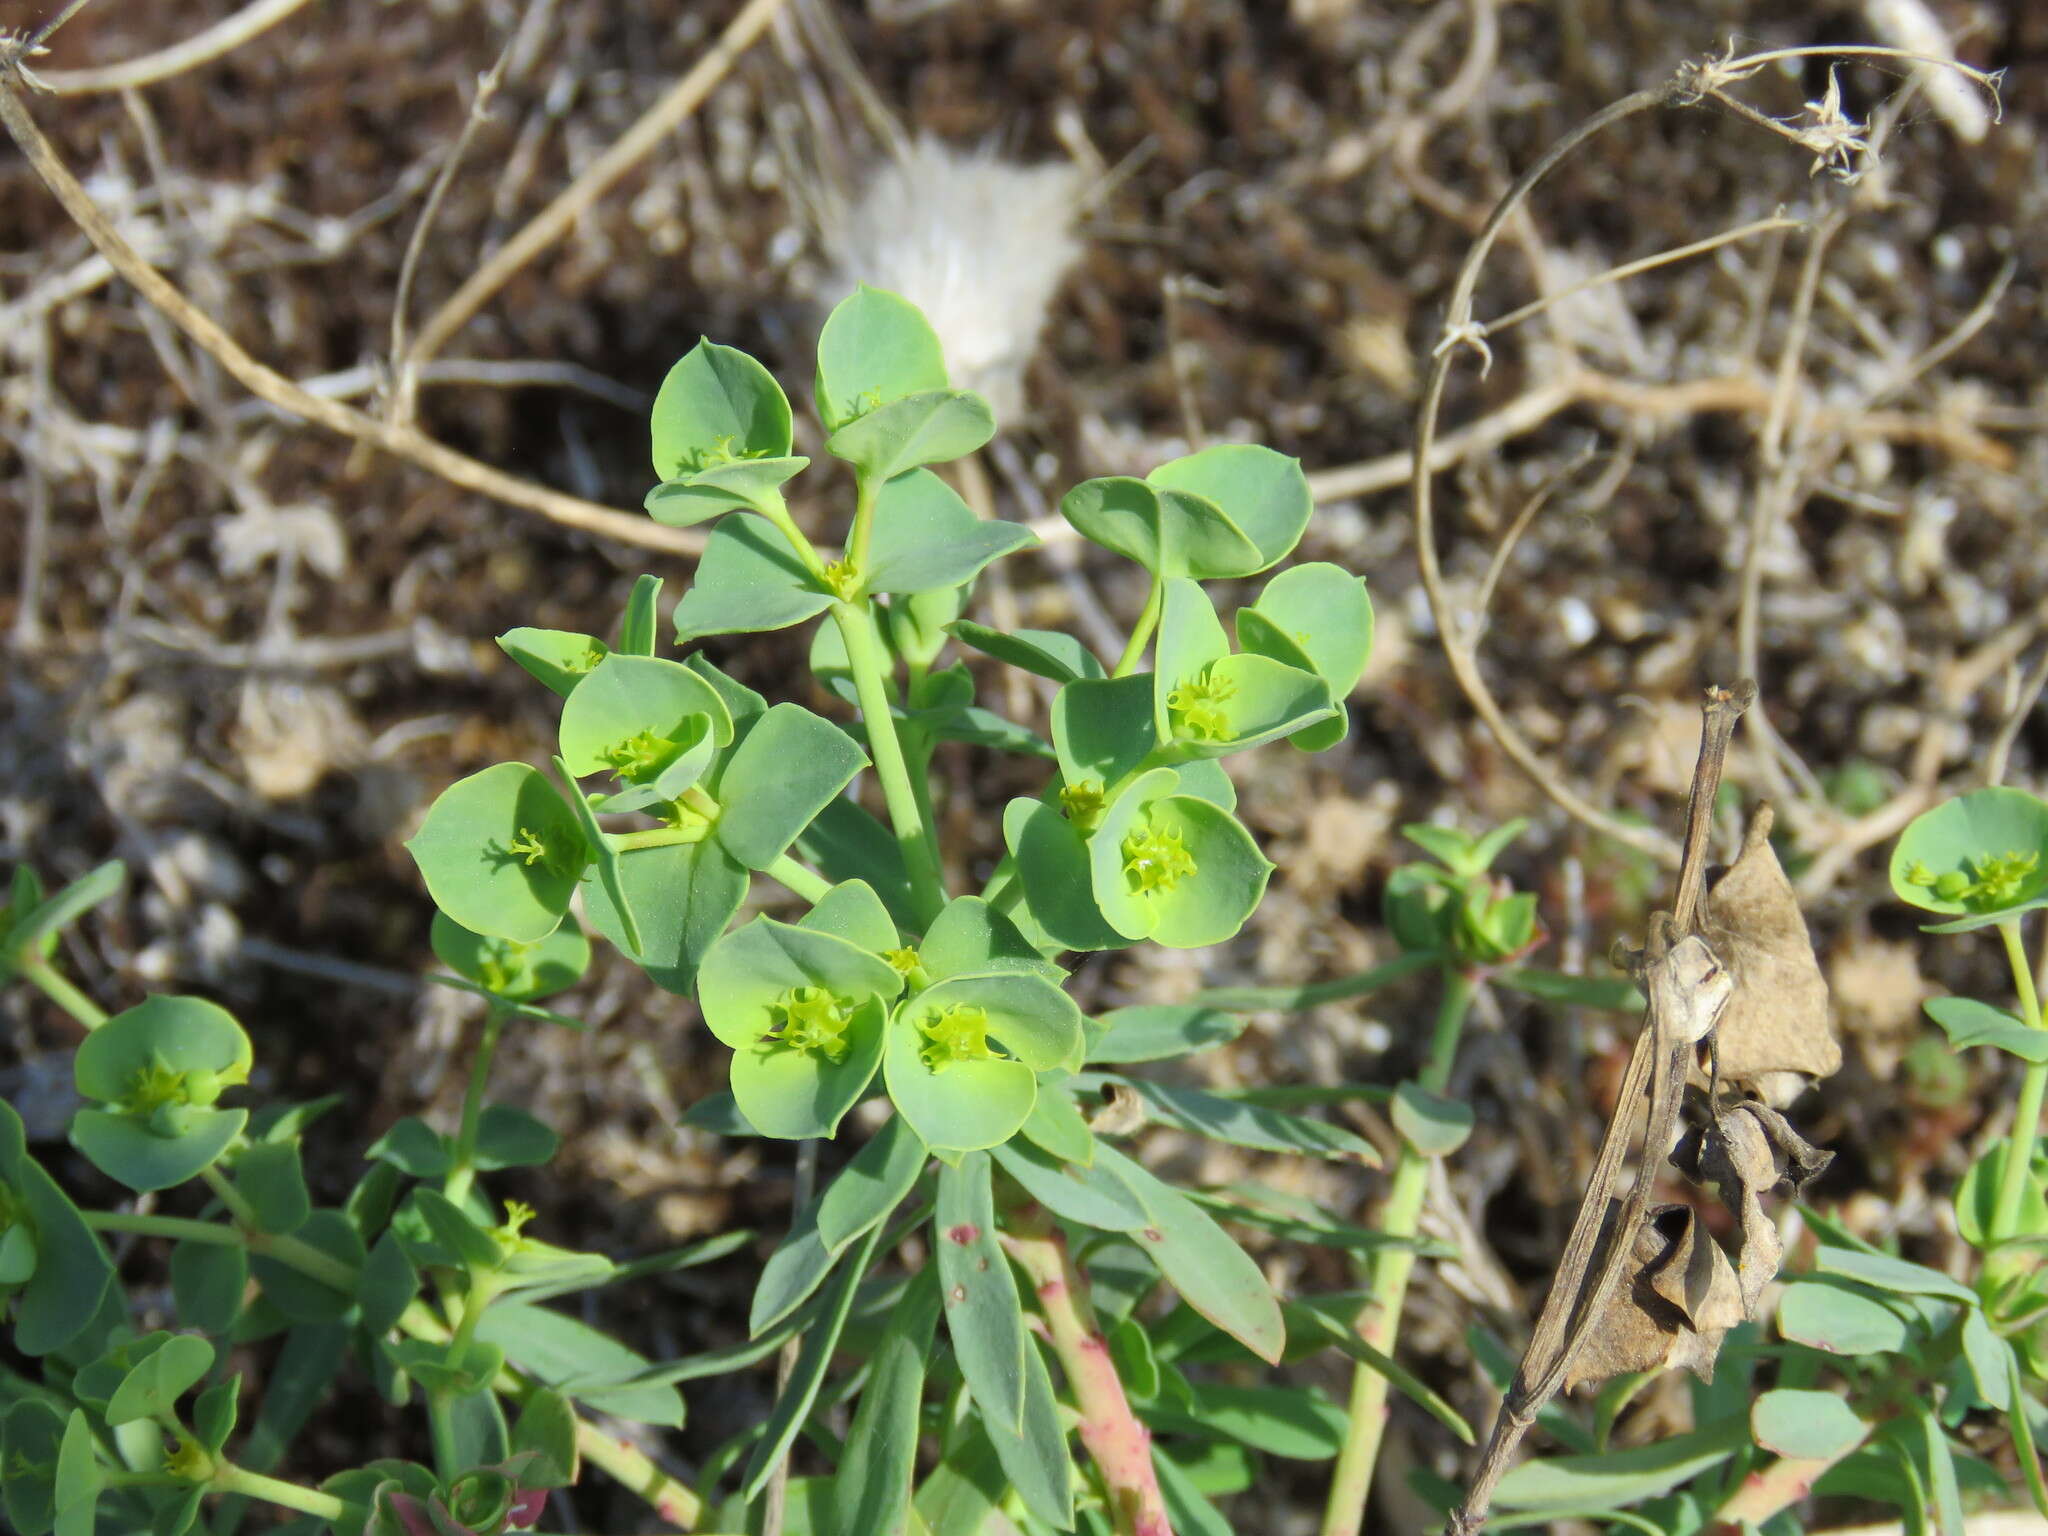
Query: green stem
181,1229
863,528
307,1501
441,1430
870,673
63,993
807,883
776,510
294,1251
462,1164
1379,1324
658,837
2018,1164
239,1208
1141,633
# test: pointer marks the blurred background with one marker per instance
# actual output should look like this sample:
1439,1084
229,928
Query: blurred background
244,652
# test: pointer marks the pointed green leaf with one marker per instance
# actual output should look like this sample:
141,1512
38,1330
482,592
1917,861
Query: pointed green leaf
1265,494
984,1315
1169,534
153,1387
926,537
874,347
800,1392
871,1494
1157,1031
501,853
1043,652
754,485
1968,1022
715,406
557,657
637,623
872,1185
748,580
683,896
790,766
931,427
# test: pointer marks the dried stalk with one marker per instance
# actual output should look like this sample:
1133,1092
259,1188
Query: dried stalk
1687,991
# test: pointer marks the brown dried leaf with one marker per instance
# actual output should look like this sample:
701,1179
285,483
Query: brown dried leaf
1749,1152
1778,1021
1672,1306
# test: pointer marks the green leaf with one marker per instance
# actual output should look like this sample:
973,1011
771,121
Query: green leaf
1996,832
186,1037
271,1179
872,1491
1312,1318
1052,863
1968,1022
1190,1511
127,1151
789,767
637,623
1315,615
1102,728
795,1270
628,697
1615,994
925,536
388,1285
414,1147
152,1389
557,657
1073,1192
1244,1124
1042,652
79,1477
1198,1258
1293,1422
846,843
1191,640
800,1391
1989,1358
930,427
1265,494
30,1436
72,1272
1806,1426
1884,1273
874,347
579,1362
1430,1123
214,1412
1840,1320
853,912
1934,1454
457,1232
955,1099
1203,903
1613,1479
970,937
501,853
749,579
1034,1458
984,1315
47,918
1056,1125
716,405
1157,1031
517,972
298,1381
682,895
508,1137
604,861
871,1186
546,1429
751,484
208,1280
1168,533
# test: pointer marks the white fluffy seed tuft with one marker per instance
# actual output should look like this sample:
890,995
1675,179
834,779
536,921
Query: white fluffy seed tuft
978,243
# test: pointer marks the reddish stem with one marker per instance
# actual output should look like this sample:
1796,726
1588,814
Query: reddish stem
1120,1446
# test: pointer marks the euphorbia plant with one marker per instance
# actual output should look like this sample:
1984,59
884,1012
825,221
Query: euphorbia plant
994,1104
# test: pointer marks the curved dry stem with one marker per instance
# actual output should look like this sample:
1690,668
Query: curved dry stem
1459,649
273,387
570,204
224,36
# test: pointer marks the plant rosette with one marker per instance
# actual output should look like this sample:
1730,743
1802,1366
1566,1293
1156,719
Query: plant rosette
1172,867
158,1069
